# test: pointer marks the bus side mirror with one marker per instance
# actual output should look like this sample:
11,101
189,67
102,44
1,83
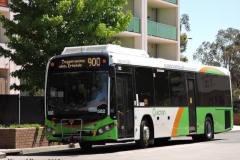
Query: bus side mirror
112,71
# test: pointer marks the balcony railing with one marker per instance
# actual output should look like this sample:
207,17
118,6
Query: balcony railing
4,3
134,25
162,30
171,1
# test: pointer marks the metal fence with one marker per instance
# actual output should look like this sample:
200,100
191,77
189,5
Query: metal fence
15,109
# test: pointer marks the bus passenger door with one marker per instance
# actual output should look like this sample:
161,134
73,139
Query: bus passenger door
192,104
125,112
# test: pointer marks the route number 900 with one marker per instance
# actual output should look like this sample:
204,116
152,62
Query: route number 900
94,62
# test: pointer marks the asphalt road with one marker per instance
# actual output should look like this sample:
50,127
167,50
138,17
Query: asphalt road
226,146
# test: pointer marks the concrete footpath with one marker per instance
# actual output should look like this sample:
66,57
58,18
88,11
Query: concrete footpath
236,128
5,152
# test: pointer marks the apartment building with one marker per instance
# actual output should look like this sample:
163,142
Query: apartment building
6,66
154,28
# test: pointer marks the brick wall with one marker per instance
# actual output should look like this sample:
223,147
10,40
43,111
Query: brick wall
22,138
7,138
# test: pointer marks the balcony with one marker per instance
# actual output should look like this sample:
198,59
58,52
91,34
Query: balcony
134,25
3,3
162,30
171,1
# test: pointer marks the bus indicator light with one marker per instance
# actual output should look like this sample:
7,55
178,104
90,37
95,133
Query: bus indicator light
104,61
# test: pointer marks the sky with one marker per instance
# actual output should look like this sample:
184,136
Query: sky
206,18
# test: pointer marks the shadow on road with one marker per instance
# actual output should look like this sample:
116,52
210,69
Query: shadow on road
110,148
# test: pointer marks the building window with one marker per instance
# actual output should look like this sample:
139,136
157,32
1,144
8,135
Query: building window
2,86
4,3
4,81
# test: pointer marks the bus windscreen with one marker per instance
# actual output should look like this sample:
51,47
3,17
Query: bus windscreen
78,86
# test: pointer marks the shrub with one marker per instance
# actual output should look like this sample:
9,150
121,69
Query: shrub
20,126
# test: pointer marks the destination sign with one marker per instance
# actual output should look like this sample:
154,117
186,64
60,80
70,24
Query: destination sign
76,63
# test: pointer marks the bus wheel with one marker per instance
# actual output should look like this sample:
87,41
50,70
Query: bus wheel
145,135
208,129
85,146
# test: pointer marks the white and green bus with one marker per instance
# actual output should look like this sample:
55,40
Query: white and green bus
107,93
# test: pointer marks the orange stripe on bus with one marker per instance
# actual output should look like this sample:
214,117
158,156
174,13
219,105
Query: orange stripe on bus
205,69
177,121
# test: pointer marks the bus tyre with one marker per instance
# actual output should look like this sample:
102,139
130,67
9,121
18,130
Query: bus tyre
208,129
85,146
145,135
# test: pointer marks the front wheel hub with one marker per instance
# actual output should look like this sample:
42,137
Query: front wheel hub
146,133
209,129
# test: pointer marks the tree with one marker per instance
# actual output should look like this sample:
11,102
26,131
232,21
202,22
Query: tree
184,24
224,52
183,58
41,29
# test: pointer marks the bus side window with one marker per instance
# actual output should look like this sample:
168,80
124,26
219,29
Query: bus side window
144,86
213,90
161,86
177,88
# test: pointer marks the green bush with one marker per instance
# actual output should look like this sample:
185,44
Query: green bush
20,126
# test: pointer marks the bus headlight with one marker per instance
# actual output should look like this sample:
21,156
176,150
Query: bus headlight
100,131
105,129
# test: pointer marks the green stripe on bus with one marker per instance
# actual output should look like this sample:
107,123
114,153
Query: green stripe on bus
108,135
218,115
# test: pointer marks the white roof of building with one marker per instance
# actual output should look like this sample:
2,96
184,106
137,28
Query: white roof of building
128,56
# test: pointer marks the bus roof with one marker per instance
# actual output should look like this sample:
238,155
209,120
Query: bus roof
128,56
114,49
